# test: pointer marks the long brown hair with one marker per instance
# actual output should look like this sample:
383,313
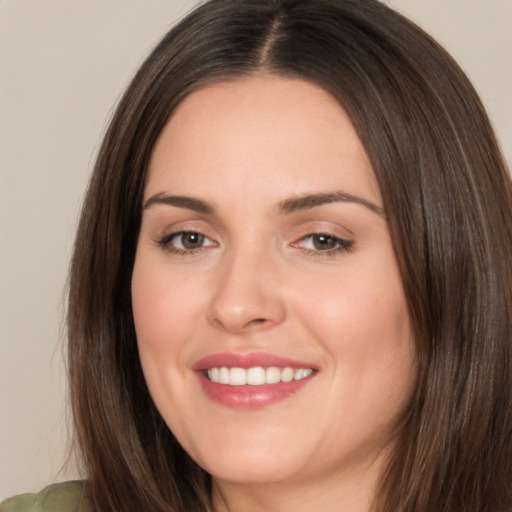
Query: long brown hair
448,201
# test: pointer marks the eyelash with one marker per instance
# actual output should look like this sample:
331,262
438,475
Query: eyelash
166,243
340,245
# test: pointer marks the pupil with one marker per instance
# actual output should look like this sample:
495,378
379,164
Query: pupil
192,240
324,242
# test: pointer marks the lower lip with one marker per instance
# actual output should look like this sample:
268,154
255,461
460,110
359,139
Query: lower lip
251,397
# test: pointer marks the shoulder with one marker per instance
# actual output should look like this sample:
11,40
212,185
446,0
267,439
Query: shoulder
63,497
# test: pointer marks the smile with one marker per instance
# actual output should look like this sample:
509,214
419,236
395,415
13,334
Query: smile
256,376
252,380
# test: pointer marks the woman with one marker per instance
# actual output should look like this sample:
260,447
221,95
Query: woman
291,285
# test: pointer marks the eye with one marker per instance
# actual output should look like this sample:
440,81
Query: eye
184,242
324,243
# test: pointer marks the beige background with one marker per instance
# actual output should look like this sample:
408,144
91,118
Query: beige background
63,64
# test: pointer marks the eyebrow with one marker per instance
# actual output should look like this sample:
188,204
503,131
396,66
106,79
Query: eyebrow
306,202
291,205
190,203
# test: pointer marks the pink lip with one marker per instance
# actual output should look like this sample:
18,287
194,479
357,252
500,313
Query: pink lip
231,360
248,397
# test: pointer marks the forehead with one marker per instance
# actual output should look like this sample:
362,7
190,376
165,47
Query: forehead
264,132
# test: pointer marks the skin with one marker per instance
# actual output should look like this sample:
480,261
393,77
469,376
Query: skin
258,283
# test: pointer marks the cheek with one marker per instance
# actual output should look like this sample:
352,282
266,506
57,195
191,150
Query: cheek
359,310
164,307
363,323
162,310
366,331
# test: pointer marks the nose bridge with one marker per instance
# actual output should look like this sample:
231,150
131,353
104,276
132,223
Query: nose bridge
245,296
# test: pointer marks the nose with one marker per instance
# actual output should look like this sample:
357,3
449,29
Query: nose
247,296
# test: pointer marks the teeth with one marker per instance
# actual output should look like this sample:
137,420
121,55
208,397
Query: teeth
288,375
213,374
237,377
272,375
223,375
256,376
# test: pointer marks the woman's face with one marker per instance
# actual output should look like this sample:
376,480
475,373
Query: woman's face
272,325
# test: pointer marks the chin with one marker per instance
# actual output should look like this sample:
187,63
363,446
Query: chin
254,466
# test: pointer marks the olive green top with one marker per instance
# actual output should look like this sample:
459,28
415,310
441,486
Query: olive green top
64,497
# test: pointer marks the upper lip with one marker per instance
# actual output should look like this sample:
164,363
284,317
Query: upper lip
251,360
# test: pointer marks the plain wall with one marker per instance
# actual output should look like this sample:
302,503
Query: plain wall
63,65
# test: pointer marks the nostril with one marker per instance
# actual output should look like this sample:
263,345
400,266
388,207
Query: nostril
256,321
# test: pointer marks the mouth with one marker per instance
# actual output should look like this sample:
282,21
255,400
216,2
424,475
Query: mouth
256,375
250,381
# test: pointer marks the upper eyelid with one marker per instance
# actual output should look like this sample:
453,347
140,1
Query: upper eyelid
319,227
171,234
342,240
166,228
324,233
